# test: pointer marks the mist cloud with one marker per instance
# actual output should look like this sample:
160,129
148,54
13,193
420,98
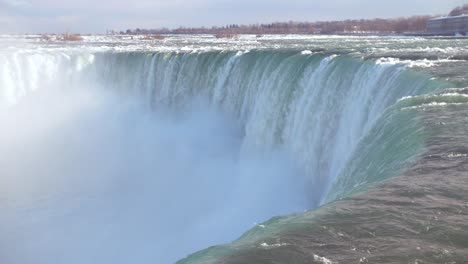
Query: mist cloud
88,177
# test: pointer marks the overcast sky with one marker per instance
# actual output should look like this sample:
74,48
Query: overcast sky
95,16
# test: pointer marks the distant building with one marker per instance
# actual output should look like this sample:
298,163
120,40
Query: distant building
448,25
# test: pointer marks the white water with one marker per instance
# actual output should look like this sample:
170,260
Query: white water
144,158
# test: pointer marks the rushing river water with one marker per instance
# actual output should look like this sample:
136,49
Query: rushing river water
127,150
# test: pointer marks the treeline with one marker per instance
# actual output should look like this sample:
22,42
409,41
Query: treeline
364,26
400,25
461,10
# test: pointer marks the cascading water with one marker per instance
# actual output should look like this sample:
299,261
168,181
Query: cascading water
135,156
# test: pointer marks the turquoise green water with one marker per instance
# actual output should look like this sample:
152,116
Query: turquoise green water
342,114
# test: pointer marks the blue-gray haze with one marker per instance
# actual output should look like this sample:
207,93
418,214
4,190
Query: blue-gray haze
37,16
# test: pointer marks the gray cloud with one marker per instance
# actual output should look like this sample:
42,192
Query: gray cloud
97,16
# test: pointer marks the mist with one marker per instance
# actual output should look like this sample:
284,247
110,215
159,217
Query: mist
89,176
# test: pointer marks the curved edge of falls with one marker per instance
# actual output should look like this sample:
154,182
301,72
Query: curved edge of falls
416,216
314,106
338,117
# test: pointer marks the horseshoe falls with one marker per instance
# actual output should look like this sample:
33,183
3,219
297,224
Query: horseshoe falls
119,151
